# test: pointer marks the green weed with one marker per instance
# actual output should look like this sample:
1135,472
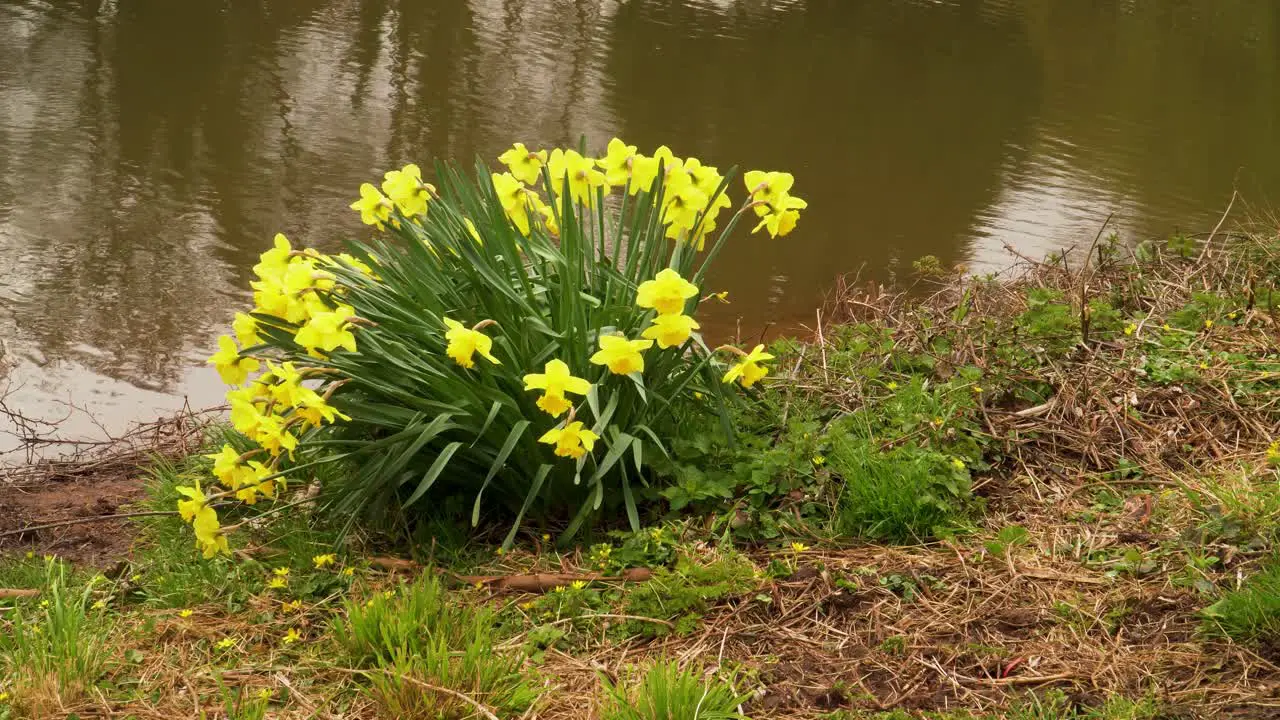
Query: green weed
409,620
438,682
680,595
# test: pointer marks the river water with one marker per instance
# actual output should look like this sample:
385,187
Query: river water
149,149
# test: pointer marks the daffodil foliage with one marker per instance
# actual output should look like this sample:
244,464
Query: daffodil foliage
524,338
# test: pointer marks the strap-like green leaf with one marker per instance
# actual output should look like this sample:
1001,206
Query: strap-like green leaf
433,472
512,438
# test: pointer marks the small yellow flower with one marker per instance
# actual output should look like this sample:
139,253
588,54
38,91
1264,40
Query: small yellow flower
1273,453
892,386
322,560
1165,327
4,696
1208,324
388,594
100,604
957,463
291,606
546,537
697,395
292,636
1204,366
799,547
186,613
479,585
280,572
579,584
30,555
44,603
977,388
277,583
558,589
1130,329
226,643
265,694
348,571
526,605
1231,316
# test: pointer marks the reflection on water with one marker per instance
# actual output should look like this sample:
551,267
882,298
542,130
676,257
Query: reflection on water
150,148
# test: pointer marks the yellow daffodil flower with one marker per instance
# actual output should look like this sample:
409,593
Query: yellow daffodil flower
620,355
245,327
579,173
324,560
471,230
670,330
525,165
748,371
252,482
556,380
514,198
209,537
666,293
314,410
231,366
572,441
684,202
287,387
226,463
616,162
327,331
271,264
767,188
548,218
374,207
783,218
465,342
274,436
354,262
405,188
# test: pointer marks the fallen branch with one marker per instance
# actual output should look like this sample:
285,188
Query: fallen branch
15,593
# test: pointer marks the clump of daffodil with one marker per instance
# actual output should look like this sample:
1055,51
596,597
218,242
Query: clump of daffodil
465,343
749,369
374,338
555,380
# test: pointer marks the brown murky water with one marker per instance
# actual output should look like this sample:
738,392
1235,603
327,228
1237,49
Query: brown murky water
150,148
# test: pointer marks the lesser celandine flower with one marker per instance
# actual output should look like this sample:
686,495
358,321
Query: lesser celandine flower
323,560
233,368
572,441
465,343
292,636
620,355
670,330
666,293
556,380
748,371
525,165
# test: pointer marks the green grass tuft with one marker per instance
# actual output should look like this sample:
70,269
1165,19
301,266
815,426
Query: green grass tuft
1251,613
666,692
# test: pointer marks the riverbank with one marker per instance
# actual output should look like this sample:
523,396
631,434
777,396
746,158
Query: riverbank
1044,495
